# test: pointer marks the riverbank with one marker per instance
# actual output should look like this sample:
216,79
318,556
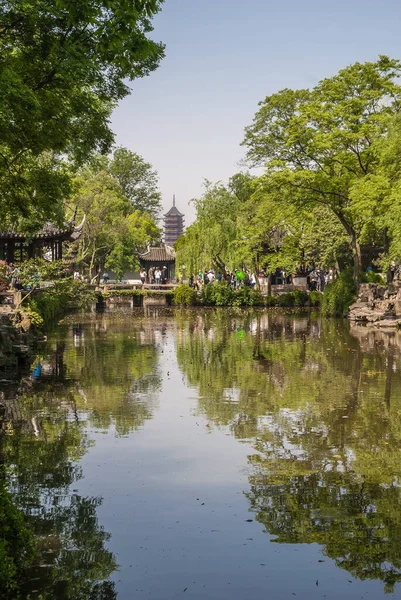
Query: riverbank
377,305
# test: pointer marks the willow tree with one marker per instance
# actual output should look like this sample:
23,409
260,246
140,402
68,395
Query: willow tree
318,144
210,240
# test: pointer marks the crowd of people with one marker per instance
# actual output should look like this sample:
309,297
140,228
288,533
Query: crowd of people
235,279
154,276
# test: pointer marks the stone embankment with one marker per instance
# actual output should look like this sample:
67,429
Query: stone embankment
378,305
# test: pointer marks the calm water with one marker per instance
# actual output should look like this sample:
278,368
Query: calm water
209,456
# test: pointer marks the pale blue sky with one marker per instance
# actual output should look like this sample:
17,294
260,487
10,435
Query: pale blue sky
223,57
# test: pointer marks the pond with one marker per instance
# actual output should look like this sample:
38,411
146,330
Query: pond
209,455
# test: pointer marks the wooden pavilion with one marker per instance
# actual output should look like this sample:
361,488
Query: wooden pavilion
159,257
16,247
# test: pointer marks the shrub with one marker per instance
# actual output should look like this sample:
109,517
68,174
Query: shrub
270,301
315,298
184,295
373,277
286,300
56,300
300,297
217,293
247,296
339,295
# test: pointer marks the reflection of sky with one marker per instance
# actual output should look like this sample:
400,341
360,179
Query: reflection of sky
174,503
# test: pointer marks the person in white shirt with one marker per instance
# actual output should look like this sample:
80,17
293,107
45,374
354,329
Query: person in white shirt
158,275
211,276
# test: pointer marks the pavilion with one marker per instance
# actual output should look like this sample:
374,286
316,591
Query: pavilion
16,247
159,257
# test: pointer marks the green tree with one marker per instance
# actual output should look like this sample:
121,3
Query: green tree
138,181
318,144
210,240
63,68
113,233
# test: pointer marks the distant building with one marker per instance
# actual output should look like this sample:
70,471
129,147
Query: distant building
173,225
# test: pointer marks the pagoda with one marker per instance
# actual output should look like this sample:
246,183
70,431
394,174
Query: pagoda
173,225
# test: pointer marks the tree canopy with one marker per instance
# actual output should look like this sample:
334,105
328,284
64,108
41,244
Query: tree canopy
319,145
63,67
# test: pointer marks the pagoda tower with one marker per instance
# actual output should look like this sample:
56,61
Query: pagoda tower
173,225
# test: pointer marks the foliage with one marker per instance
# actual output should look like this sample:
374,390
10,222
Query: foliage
246,296
208,241
315,298
372,277
137,179
339,295
317,145
217,293
295,298
114,231
62,71
35,271
184,295
47,304
16,546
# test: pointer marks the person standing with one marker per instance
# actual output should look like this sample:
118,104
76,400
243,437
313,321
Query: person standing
142,276
158,275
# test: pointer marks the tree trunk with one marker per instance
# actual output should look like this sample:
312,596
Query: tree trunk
269,284
356,255
386,245
356,249
92,262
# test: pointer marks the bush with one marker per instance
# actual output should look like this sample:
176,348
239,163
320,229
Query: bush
247,296
295,298
217,293
270,301
372,277
184,295
300,297
339,295
315,298
55,301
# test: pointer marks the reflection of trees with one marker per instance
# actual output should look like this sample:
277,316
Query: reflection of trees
72,561
116,377
321,414
104,379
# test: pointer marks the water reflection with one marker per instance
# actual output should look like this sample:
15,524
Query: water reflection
313,407
83,378
321,407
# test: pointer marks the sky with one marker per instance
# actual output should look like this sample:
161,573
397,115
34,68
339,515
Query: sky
223,57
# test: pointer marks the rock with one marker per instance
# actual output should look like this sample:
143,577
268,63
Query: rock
377,304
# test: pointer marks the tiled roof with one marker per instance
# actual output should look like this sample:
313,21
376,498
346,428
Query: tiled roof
49,230
159,255
173,212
